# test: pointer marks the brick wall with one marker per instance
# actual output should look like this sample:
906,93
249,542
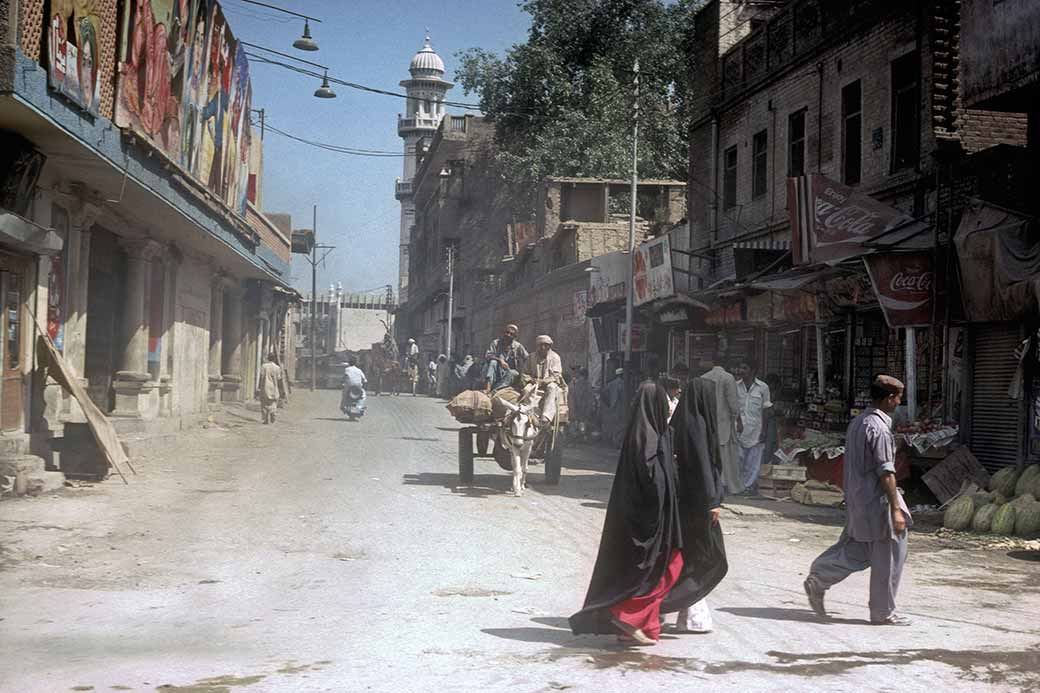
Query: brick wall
980,130
867,57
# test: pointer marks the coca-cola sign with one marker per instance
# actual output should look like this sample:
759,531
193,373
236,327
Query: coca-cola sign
904,284
831,222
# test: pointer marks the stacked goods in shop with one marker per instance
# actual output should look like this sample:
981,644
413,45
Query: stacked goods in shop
992,512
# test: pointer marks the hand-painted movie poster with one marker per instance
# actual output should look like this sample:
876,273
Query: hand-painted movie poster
184,85
73,57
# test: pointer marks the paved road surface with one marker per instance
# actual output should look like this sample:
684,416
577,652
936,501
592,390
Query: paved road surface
321,555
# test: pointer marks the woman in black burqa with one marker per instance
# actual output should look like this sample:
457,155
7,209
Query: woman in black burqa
639,553
698,460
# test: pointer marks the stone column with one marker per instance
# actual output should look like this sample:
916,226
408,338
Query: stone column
216,337
171,259
232,371
131,383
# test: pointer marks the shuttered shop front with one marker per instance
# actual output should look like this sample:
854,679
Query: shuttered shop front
996,420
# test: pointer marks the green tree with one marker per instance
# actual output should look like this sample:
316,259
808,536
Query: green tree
562,101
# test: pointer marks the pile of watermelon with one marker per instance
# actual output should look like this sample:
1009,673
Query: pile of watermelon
1010,507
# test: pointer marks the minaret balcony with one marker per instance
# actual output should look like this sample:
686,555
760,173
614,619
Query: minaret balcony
417,122
402,189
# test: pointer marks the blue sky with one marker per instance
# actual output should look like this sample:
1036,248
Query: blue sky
370,43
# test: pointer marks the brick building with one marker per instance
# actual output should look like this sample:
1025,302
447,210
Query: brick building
862,100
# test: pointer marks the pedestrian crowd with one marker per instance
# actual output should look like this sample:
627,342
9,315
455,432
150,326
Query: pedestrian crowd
684,447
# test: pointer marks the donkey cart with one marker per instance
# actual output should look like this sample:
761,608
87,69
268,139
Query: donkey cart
476,439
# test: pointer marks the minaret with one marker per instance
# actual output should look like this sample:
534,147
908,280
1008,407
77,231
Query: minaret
426,90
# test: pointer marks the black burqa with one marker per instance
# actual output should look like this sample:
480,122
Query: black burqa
699,464
641,529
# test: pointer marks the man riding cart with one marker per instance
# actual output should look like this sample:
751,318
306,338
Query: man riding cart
545,369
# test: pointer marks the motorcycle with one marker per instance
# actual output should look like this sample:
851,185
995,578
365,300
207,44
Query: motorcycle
353,403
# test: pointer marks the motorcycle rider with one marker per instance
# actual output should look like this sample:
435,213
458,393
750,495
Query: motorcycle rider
353,377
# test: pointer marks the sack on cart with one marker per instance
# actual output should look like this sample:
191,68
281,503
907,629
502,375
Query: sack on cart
470,406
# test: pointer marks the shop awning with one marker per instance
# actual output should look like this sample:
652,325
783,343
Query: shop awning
999,256
21,234
793,280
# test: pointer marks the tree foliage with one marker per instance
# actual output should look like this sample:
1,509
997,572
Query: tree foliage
562,102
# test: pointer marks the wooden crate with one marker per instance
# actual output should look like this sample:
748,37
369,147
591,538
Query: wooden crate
787,472
776,488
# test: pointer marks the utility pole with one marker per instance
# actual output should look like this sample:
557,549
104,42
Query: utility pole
451,291
314,260
629,376
389,303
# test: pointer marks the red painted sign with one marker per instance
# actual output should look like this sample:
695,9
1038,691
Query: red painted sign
831,222
903,283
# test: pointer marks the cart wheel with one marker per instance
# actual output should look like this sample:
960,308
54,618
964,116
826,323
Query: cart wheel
553,465
465,456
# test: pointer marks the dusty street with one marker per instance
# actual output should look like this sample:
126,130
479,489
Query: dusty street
321,555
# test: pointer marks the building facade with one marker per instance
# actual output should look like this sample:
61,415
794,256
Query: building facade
424,110
132,239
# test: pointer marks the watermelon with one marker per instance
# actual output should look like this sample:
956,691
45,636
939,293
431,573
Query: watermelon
1004,481
982,498
1024,499
998,499
1027,520
983,520
959,513
1025,483
1004,520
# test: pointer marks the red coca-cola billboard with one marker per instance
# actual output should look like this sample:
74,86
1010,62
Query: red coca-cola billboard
831,222
904,284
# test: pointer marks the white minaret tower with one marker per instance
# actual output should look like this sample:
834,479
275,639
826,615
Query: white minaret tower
426,90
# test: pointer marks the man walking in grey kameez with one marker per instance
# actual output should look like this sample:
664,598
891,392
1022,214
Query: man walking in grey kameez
271,388
875,534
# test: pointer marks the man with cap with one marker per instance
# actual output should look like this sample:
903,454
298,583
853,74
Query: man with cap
545,369
877,518
505,357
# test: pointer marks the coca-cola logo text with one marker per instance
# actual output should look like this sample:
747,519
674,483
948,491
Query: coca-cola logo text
914,281
851,220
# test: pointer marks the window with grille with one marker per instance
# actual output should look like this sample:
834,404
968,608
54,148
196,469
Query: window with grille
729,178
760,163
906,111
796,143
852,132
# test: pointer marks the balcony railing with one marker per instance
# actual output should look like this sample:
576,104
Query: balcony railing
416,123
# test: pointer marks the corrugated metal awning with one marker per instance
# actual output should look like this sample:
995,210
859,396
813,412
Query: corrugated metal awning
776,244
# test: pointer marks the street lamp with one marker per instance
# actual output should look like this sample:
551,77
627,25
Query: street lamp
322,92
325,91
305,42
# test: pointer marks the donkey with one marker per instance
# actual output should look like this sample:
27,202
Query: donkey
517,435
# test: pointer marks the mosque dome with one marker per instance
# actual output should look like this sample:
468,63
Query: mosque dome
426,62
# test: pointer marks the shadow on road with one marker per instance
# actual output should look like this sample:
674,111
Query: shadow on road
338,419
552,636
798,615
483,485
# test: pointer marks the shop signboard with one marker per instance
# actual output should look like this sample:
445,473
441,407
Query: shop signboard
760,308
652,274
799,308
638,337
903,283
581,305
724,317
676,315
73,49
831,222
608,280
184,87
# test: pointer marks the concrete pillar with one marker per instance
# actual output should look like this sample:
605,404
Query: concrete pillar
131,382
232,371
216,337
171,259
